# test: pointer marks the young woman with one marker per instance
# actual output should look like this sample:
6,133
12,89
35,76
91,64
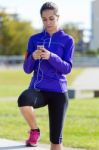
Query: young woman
49,57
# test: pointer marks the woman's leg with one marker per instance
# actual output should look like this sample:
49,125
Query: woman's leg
29,115
27,101
56,146
57,109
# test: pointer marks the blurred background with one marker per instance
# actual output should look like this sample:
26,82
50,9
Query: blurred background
19,19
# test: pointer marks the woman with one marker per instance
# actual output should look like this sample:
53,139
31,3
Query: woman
49,57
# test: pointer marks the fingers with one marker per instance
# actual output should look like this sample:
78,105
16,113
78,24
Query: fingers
45,55
41,53
36,54
43,49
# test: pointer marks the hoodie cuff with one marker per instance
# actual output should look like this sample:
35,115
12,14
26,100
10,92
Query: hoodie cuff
52,57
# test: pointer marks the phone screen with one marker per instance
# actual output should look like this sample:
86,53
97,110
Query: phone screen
40,46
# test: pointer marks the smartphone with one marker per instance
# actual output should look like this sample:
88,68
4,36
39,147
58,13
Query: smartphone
40,46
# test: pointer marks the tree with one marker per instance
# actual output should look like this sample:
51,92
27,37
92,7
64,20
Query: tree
74,31
14,35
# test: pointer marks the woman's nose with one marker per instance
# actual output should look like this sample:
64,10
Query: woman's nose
48,22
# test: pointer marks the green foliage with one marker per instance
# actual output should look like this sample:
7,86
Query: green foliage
14,35
73,31
92,52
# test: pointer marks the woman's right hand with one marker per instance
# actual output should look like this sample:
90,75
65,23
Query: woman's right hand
37,54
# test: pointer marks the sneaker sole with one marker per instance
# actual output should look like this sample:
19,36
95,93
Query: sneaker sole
31,145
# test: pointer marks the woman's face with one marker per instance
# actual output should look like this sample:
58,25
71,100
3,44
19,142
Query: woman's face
50,20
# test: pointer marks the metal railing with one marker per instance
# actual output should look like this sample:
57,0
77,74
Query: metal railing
11,60
79,61
85,61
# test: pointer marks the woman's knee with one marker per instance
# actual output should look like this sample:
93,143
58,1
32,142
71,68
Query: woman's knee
23,99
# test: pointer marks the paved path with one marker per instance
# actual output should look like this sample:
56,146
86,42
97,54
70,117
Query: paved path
13,145
89,79
86,83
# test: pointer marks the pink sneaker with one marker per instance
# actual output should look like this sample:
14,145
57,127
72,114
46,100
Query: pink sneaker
33,137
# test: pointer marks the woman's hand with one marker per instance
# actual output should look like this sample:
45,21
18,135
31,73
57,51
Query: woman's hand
45,54
41,53
37,54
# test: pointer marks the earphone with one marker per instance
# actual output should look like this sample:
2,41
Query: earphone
39,69
39,64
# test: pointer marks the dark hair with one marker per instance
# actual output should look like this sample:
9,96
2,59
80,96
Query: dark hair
49,6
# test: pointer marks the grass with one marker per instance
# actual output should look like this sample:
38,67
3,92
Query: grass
81,125
15,81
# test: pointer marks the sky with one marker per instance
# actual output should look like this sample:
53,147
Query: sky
71,11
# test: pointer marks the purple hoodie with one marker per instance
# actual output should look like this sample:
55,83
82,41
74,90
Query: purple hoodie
50,75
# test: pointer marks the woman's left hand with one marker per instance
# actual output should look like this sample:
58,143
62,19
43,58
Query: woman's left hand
45,54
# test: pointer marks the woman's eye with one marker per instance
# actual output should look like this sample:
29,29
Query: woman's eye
51,19
44,20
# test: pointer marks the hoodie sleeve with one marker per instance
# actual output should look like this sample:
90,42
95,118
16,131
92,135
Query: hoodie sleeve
29,62
63,65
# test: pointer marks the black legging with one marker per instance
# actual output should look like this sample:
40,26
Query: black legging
57,106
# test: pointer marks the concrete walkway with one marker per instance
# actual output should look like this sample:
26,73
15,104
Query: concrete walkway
13,145
87,81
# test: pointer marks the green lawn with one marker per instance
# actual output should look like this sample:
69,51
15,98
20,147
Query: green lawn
12,82
81,126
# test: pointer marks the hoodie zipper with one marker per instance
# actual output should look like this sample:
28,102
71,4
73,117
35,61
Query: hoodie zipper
49,42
